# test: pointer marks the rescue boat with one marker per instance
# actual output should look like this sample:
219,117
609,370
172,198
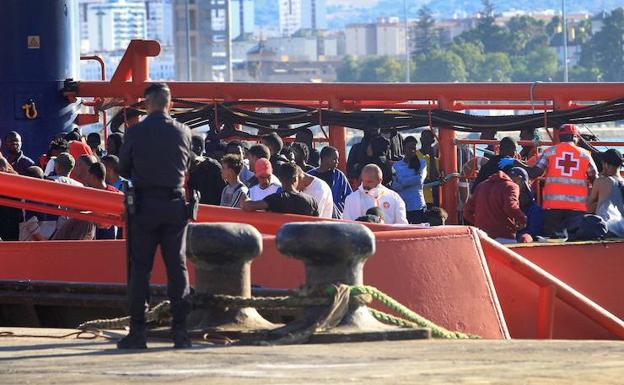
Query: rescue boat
453,275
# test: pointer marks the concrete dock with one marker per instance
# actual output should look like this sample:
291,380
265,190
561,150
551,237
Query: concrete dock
45,360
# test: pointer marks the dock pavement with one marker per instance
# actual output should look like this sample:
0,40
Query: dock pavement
40,359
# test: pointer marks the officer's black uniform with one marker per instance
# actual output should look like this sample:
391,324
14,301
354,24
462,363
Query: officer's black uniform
156,156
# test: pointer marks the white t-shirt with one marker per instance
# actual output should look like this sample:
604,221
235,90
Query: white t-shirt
66,180
256,193
322,194
392,205
49,169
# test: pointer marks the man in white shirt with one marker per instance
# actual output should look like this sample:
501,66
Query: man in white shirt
372,193
319,190
266,181
63,166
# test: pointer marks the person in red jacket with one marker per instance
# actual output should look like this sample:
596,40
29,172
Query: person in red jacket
494,207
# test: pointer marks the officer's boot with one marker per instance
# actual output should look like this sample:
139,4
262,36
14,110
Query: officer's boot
181,339
135,339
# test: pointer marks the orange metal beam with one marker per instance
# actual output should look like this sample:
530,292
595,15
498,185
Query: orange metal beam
362,91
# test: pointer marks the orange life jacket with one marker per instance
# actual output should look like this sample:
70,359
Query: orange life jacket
565,184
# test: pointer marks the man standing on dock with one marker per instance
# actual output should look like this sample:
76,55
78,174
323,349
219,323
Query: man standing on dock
156,156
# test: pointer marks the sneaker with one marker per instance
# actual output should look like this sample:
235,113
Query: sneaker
133,341
181,339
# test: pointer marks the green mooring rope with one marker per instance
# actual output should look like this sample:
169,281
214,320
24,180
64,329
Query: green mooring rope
411,319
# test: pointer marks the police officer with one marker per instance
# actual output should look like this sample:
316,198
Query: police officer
156,156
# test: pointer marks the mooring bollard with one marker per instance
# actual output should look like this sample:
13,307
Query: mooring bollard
222,254
333,253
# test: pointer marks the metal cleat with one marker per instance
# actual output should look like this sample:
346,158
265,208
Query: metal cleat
222,255
333,254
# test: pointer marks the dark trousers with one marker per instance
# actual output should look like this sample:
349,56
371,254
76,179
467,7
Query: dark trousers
417,216
159,222
557,220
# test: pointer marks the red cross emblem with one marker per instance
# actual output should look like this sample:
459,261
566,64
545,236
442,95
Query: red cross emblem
567,163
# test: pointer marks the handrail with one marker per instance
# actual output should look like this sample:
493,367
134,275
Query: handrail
86,216
97,58
105,204
550,288
532,143
49,192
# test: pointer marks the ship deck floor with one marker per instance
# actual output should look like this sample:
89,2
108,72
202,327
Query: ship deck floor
26,360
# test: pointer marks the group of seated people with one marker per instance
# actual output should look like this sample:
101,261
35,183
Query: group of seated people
69,160
283,178
298,179
271,176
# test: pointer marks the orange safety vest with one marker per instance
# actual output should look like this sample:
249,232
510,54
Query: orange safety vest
565,184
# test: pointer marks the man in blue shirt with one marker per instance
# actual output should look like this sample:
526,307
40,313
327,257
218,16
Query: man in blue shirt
112,172
12,149
410,174
336,179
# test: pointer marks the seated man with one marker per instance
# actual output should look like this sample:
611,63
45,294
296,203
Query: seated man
97,180
528,205
328,171
111,162
80,172
235,190
289,200
318,190
606,198
494,207
372,193
373,215
437,216
63,166
266,184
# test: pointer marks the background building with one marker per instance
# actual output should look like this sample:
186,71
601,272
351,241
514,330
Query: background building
301,14
112,24
159,15
243,17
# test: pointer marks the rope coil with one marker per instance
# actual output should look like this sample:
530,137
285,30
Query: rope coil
333,297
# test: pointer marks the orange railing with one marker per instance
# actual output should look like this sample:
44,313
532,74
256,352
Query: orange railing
550,288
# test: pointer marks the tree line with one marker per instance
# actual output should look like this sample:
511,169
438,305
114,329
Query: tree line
523,50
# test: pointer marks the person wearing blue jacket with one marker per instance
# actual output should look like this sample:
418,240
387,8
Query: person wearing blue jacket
410,175
336,179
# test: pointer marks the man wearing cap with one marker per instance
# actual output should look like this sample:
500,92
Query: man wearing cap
606,199
266,183
566,168
289,200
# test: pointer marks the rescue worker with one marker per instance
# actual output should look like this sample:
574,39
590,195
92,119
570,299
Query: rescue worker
566,168
156,156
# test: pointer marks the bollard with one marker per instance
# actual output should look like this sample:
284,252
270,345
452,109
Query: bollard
333,253
222,255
